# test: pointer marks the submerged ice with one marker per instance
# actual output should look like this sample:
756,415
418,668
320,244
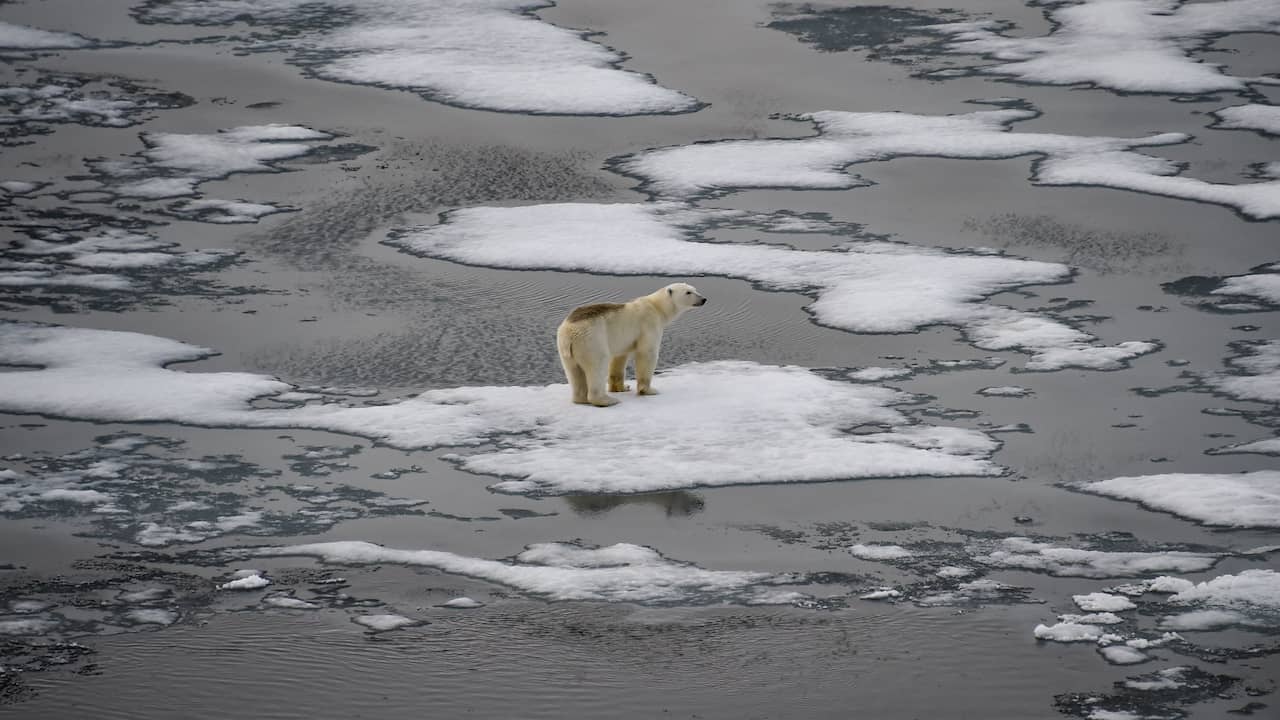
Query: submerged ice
862,287
539,440
560,571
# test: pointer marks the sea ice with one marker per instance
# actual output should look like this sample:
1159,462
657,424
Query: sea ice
26,626
880,552
877,374
247,582
1123,655
1249,499
1005,391
1102,602
289,603
843,139
151,616
21,37
1263,118
463,603
384,623
1068,632
1256,592
557,571
864,287
493,55
1124,45
1027,554
545,444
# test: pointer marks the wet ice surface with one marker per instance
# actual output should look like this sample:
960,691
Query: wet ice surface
247,517
544,448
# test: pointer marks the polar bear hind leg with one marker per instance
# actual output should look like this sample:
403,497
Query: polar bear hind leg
577,380
618,374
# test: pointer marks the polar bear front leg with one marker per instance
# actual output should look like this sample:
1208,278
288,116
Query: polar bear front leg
646,361
618,373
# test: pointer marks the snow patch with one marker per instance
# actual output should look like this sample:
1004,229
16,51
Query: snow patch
1250,499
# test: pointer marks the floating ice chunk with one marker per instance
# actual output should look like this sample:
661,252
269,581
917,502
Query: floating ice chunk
871,287
24,607
247,582
846,138
224,212
546,444
43,278
975,592
1102,602
1256,376
1095,618
1123,655
384,623
1263,118
885,593
1166,584
1028,554
1068,632
18,187
244,149
495,55
1005,391
26,626
881,552
144,595
289,603
80,497
954,571
1248,590
1204,620
1167,679
22,37
151,616
876,374
1250,499
463,603
617,573
1128,45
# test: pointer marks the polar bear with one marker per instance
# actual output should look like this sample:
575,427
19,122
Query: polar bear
595,340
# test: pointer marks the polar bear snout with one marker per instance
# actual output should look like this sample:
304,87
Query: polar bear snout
701,301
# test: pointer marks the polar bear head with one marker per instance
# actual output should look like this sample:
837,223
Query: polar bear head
684,296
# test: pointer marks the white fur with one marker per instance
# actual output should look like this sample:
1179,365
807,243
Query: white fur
594,350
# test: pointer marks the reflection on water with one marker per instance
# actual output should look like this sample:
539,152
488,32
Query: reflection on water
675,503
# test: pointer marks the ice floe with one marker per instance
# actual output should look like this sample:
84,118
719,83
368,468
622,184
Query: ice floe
245,580
123,260
139,489
384,622
84,100
21,37
864,287
493,55
558,571
1123,45
1027,554
545,444
1249,499
880,552
1068,632
1005,391
1255,291
1249,598
1254,373
1263,118
462,603
174,164
1102,602
844,139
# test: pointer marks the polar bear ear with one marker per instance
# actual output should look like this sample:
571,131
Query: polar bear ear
670,291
